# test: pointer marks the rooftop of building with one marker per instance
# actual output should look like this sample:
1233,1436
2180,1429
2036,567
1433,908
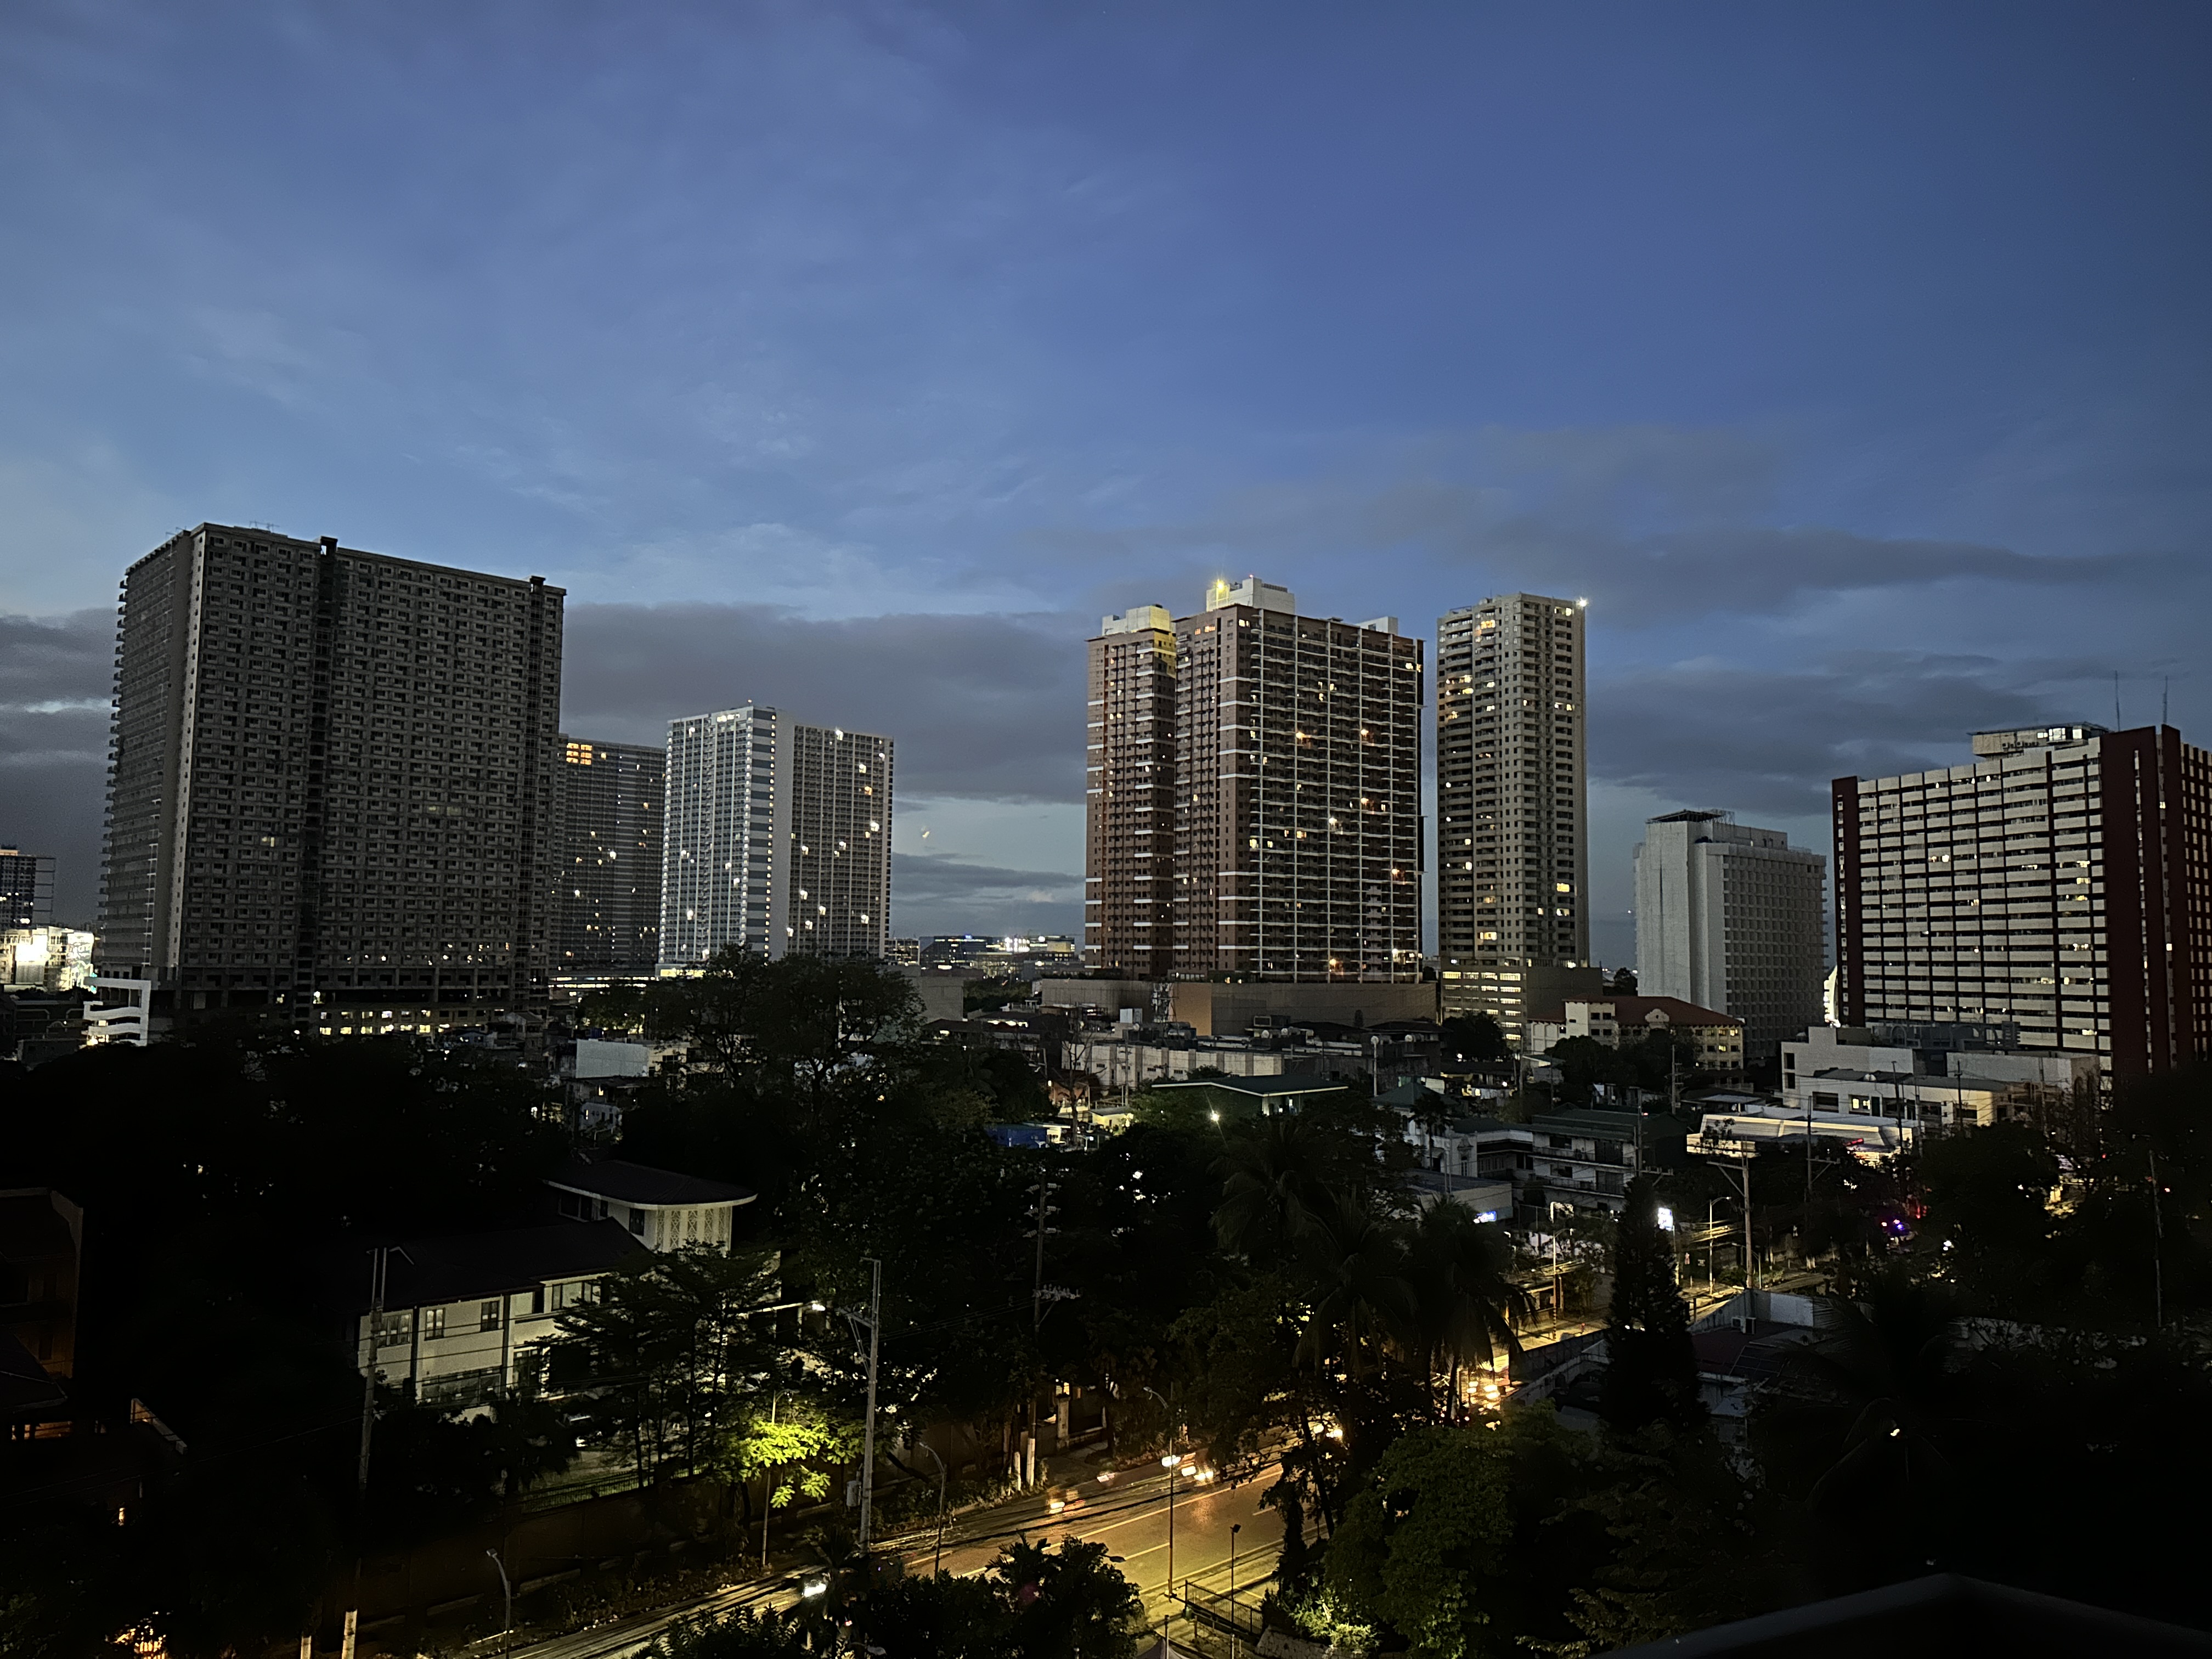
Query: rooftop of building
1655,1010
1265,1088
1943,1612
637,1184
25,1386
461,1268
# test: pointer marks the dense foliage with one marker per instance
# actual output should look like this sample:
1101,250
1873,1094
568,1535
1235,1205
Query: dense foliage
2013,1385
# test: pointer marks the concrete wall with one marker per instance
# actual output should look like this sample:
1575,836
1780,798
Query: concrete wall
1228,1009
1111,994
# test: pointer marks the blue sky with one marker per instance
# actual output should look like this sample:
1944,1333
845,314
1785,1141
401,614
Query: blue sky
1852,359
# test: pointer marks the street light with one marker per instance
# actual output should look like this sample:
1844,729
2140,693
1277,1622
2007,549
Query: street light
1171,1461
936,1560
507,1593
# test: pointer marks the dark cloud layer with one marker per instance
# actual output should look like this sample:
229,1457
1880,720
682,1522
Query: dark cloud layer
931,894
980,706
1762,739
56,676
1656,524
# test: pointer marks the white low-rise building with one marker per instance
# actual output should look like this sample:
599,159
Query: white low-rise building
463,1319
664,1211
1851,1075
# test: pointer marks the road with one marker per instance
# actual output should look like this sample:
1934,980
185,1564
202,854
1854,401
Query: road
1129,1515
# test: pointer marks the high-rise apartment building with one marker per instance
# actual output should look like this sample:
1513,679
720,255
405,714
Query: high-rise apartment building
776,839
1736,918
332,784
26,889
1254,804
2055,886
1512,846
1299,832
609,904
1129,786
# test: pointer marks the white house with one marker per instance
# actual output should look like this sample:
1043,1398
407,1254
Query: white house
462,1318
662,1210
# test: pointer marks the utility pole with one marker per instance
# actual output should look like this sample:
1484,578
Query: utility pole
868,1433
2157,1252
1044,1190
1234,1648
380,1261
507,1591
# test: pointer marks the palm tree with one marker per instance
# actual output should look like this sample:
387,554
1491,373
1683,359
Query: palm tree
1365,1303
1465,1305
1274,1187
1867,1404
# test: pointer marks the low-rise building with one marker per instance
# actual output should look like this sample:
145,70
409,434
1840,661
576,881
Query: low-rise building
1266,1097
661,1209
1612,1021
1949,1076
1583,1158
47,958
465,1318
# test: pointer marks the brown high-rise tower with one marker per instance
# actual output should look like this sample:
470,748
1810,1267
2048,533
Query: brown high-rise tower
332,785
1129,784
1288,846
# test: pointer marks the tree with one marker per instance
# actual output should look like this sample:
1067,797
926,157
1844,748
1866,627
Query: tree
1275,1188
794,1440
1065,1603
1475,1039
1468,1542
663,1353
1650,1369
1858,1430
1365,1303
1465,1304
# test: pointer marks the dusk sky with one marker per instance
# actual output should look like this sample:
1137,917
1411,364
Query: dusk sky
1852,361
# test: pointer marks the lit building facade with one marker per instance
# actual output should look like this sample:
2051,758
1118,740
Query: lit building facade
610,896
1298,830
776,839
1733,917
27,888
332,787
1513,848
1129,795
2057,885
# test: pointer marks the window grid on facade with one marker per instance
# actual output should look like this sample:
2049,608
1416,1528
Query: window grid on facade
1513,850
331,778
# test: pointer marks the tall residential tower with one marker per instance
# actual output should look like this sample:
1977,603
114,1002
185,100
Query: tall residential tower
2055,889
27,888
331,785
776,839
1129,790
1298,823
1733,917
609,896
1513,852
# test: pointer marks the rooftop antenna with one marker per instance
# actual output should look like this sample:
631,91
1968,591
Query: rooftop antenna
2117,723
2165,698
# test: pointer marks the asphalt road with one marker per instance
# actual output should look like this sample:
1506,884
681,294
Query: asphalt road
1129,1515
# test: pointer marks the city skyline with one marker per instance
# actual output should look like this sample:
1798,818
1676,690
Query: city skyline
1154,322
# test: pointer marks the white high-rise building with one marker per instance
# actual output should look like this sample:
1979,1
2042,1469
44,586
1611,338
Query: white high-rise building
1732,918
1512,849
776,838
